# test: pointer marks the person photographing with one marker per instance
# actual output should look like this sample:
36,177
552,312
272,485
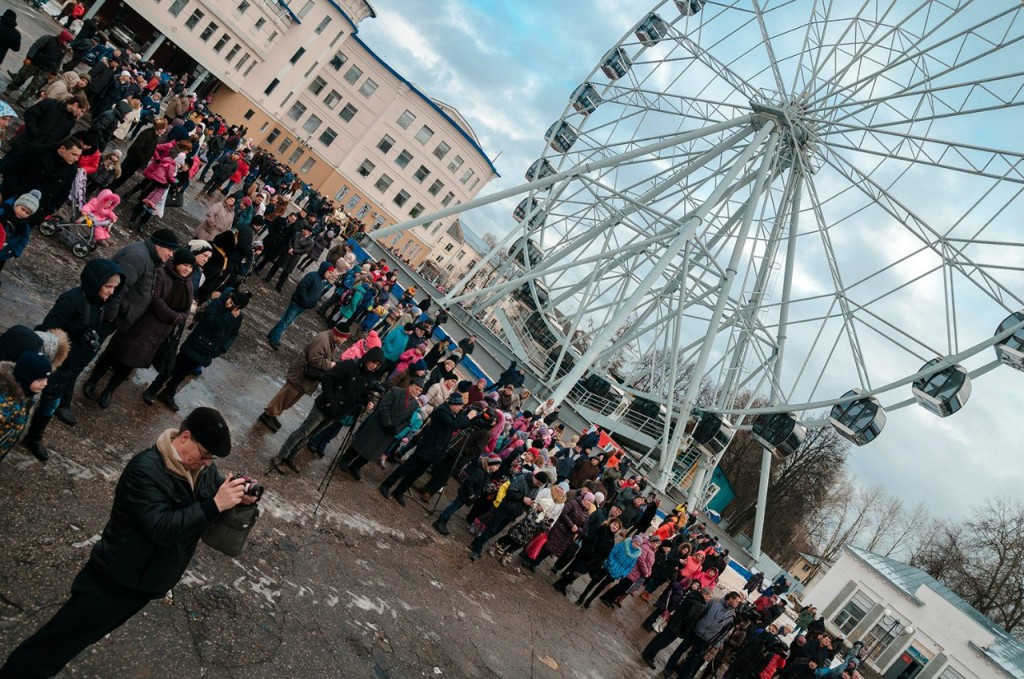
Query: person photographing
166,497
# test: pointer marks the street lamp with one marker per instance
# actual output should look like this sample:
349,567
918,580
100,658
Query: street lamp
890,634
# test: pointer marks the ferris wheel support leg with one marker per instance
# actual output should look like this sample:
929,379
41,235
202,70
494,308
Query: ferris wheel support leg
762,503
696,489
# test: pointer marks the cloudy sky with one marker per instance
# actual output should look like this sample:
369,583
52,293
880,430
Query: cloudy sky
510,67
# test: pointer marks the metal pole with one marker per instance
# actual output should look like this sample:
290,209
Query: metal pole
686,233
93,9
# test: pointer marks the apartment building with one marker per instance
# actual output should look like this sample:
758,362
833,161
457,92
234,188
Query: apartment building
310,90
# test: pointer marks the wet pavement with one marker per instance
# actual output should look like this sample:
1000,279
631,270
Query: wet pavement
364,588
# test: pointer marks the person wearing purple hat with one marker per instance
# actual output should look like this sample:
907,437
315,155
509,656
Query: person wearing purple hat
165,499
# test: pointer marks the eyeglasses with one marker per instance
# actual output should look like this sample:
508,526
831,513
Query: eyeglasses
203,452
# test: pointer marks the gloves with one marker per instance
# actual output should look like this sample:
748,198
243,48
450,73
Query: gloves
27,62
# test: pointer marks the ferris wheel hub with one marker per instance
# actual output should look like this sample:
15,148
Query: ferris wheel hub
799,134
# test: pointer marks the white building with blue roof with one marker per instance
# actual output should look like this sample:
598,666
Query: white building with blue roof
912,625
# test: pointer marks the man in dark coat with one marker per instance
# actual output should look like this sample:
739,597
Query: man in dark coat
221,172
51,171
10,36
301,243
101,75
679,624
279,235
307,293
49,121
477,475
139,153
139,261
42,59
166,497
433,443
518,498
79,313
392,414
214,334
343,391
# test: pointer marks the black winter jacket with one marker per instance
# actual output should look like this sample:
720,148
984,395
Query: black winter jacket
437,433
139,262
155,524
79,311
687,614
35,166
46,53
216,331
10,36
47,122
477,476
309,290
342,389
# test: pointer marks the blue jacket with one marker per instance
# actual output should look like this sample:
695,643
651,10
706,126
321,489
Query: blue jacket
621,559
309,290
18,231
395,342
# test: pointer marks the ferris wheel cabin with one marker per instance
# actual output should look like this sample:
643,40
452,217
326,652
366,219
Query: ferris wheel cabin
529,206
524,250
712,434
943,392
689,7
561,136
1011,350
651,30
616,64
585,99
539,169
859,421
780,433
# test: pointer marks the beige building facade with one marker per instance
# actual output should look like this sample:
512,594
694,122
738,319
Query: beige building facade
313,93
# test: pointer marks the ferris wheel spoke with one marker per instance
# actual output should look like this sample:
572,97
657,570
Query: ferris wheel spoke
1007,175
822,58
949,114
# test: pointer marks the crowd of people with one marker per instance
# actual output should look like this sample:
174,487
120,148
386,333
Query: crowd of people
390,386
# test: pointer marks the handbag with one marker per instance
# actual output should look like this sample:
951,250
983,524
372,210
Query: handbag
659,624
535,545
229,531
163,360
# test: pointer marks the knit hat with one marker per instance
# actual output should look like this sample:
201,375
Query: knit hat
418,382
374,355
18,339
492,396
588,497
493,460
564,485
165,238
29,367
240,299
29,201
423,399
64,37
598,498
543,477
455,400
246,201
199,246
420,365
5,109
464,385
183,256
209,430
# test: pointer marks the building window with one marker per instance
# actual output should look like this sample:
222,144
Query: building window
272,86
194,19
455,164
273,35
338,60
447,199
449,247
312,124
242,7
424,135
208,32
365,168
318,85
176,7
322,26
882,635
442,150
950,673
342,192
260,22
405,120
294,157
274,134
852,613
437,228
241,62
305,9
384,183
466,176
421,173
232,52
296,111
284,146
377,221
351,204
308,165
436,187
368,88
348,113
403,159
298,55
332,99
249,114
362,211
221,42
473,186
401,198
385,143
416,211
353,74
252,65
328,136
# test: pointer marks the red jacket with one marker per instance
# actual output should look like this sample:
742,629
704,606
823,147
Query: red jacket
240,171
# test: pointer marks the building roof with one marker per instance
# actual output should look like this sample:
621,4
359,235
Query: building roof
816,560
441,108
1006,651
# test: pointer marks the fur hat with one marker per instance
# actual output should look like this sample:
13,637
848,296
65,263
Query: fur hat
199,246
55,345
29,201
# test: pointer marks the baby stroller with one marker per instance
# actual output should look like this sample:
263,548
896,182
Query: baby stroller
88,224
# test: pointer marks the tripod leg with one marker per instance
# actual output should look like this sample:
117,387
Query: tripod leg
325,482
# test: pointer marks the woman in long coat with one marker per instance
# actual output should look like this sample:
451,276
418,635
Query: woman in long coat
571,523
392,414
137,346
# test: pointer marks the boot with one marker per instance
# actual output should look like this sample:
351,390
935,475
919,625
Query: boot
149,395
65,415
168,400
440,526
107,396
620,599
89,387
34,437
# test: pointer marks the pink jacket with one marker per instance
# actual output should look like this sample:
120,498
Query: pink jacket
407,358
101,207
358,349
162,170
643,566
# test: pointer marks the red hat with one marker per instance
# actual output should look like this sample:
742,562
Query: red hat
64,37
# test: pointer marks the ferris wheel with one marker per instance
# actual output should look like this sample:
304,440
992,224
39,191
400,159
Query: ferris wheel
813,206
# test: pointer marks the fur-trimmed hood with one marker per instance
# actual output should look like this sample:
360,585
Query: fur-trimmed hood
9,387
55,346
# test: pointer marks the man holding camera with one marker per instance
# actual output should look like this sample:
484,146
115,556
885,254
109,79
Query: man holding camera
166,497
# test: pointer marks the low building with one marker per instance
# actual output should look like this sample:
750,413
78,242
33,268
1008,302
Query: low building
912,625
807,568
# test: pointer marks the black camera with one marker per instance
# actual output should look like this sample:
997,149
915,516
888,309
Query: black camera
92,340
746,611
252,488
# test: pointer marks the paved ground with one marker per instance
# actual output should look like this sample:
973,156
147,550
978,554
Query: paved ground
362,589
